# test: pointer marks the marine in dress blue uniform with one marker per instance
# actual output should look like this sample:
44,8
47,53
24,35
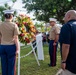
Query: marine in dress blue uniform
53,43
8,47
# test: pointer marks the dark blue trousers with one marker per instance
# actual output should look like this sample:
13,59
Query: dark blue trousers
52,52
8,54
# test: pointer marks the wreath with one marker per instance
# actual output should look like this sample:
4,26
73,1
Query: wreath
26,28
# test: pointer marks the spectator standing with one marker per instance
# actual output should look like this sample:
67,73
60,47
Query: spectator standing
67,41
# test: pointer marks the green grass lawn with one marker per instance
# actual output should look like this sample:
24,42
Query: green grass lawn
29,65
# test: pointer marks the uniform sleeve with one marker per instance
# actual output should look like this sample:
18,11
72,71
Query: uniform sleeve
16,30
0,30
0,36
57,30
65,35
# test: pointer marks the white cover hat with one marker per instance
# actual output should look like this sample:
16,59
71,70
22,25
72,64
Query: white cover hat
52,19
8,11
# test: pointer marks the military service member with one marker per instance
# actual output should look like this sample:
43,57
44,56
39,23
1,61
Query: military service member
9,43
53,43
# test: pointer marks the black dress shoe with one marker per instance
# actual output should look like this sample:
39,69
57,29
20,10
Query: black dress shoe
49,65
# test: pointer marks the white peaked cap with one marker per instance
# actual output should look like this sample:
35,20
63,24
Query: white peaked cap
8,11
52,19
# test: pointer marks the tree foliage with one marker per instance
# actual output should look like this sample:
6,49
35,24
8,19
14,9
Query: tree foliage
6,6
49,8
2,8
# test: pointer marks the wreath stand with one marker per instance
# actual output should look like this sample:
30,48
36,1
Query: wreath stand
33,50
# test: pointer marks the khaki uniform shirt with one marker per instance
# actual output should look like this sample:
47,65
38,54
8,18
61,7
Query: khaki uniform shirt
53,32
7,31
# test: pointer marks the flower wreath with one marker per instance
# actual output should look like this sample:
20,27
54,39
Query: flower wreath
26,28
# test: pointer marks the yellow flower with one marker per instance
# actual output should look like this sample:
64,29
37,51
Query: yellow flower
26,28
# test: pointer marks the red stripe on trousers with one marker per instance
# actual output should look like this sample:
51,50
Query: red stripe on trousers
54,54
15,67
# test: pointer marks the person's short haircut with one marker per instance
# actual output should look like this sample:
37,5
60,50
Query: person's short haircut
8,16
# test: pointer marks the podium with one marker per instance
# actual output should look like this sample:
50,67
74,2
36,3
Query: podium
39,47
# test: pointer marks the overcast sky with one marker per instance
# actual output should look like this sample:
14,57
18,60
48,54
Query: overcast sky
17,5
